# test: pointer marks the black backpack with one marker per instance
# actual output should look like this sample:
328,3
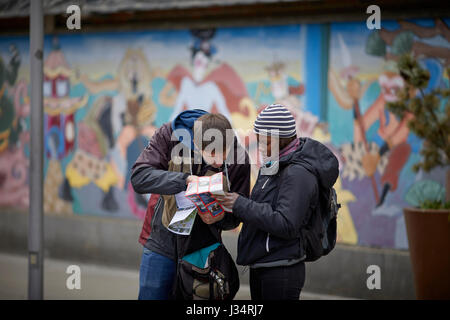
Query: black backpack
319,234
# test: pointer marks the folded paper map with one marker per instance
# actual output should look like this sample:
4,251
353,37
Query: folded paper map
184,218
202,191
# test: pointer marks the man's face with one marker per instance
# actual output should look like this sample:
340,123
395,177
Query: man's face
214,158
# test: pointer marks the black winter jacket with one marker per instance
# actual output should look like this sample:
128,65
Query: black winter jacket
280,204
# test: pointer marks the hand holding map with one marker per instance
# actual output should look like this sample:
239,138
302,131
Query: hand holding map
202,191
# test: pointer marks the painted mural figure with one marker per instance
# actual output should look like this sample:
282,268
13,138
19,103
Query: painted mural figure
421,42
379,150
288,95
279,87
216,89
389,149
133,100
390,144
59,107
14,108
219,91
60,128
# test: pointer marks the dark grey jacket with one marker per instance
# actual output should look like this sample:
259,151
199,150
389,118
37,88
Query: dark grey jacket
281,204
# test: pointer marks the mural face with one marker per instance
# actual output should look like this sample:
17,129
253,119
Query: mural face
105,94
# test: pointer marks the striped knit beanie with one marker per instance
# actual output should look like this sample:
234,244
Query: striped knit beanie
275,117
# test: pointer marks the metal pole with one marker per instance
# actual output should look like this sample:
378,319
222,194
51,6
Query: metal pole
35,219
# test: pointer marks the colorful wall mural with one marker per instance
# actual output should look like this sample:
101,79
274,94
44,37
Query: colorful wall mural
105,94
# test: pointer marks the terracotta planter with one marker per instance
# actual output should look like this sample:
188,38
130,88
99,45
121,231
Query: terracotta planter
429,246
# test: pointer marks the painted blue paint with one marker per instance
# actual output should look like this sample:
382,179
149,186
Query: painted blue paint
340,122
163,112
262,98
312,69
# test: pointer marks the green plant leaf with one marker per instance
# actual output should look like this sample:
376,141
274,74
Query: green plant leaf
425,190
375,45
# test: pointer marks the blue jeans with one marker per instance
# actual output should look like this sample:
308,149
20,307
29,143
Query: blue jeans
156,276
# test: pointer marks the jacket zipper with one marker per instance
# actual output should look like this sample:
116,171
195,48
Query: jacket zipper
268,235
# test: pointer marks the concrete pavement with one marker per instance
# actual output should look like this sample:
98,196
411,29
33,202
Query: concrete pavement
113,242
97,282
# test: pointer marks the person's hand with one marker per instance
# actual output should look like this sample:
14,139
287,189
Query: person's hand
228,199
191,179
209,219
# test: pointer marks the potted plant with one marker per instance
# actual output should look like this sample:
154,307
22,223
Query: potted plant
428,222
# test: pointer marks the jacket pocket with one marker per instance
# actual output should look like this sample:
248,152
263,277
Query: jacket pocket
251,246
275,245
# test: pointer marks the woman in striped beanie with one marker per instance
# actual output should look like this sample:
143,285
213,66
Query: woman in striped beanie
281,202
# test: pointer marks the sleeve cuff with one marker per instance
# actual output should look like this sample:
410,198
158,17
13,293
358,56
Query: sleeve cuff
182,181
237,207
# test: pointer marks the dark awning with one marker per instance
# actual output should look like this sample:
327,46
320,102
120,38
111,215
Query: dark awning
20,8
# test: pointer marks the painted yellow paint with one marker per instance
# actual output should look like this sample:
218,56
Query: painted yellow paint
345,227
105,182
